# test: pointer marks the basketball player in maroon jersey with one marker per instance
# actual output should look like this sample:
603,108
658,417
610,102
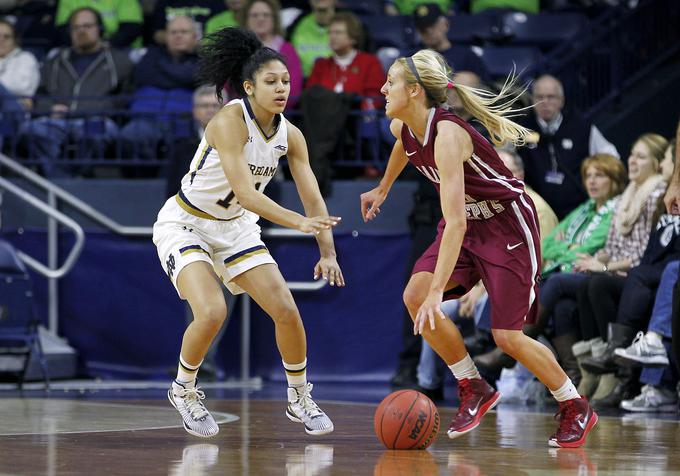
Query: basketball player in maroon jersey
489,232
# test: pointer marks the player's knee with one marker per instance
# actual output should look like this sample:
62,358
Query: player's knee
211,315
413,298
508,340
286,313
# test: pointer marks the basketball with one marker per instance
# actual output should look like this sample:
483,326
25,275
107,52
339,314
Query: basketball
406,420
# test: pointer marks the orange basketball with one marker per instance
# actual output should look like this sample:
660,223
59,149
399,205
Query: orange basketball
406,420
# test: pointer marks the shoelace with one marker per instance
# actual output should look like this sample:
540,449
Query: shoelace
640,343
566,416
465,390
192,398
306,402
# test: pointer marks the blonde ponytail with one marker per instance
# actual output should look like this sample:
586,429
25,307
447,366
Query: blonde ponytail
429,69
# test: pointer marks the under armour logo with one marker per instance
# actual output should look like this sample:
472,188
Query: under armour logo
280,147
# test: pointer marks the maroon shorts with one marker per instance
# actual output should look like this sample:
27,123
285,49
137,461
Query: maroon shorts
504,252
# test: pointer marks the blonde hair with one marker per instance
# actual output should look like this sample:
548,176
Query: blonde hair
430,71
655,143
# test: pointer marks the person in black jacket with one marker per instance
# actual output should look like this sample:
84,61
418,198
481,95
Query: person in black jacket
553,165
78,89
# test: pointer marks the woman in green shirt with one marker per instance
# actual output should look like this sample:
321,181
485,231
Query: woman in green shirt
585,229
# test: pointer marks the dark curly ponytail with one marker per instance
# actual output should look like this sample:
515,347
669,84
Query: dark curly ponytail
231,56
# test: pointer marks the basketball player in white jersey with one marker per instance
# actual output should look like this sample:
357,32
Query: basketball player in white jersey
208,232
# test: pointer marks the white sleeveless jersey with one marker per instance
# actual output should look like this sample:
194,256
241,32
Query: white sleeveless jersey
205,191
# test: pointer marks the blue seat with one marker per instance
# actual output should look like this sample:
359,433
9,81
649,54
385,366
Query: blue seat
390,31
474,29
499,60
361,7
18,323
545,30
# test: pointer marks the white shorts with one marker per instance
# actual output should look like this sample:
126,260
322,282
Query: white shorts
232,247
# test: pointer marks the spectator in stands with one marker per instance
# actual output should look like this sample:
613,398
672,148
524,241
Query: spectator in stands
552,166
197,10
80,83
433,27
121,20
650,350
349,74
620,305
626,242
407,7
309,33
205,106
348,70
263,18
228,17
19,72
164,79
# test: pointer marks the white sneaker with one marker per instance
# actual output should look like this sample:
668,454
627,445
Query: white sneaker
652,399
644,351
197,420
302,409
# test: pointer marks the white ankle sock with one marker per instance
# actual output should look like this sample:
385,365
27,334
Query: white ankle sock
296,374
464,368
186,373
566,392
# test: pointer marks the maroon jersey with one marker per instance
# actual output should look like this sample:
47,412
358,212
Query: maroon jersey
489,185
501,245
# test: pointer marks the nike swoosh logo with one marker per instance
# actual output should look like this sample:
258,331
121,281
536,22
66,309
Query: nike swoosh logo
582,423
407,153
510,248
474,412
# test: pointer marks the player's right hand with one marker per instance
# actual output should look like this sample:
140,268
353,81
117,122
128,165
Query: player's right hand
370,203
316,225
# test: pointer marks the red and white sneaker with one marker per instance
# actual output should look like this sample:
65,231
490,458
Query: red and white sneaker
576,419
477,397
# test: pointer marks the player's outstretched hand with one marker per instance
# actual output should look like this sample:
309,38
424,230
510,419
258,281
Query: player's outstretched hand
329,269
370,203
316,225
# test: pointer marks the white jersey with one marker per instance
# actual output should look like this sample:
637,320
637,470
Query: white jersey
205,190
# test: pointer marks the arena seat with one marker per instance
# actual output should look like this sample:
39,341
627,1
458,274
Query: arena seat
545,30
500,60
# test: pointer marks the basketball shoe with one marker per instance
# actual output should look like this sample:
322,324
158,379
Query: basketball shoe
187,401
476,398
302,409
576,419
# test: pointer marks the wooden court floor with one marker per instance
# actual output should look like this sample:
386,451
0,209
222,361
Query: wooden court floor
65,436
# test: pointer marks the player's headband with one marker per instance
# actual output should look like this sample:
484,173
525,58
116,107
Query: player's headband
414,70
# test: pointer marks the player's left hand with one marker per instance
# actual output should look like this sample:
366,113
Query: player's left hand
329,269
429,309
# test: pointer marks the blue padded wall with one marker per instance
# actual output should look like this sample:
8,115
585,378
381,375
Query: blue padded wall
121,313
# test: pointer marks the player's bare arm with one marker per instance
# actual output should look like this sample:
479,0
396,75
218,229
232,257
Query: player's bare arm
230,149
452,148
314,205
371,200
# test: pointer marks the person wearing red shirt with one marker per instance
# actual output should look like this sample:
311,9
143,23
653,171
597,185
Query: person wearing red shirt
348,70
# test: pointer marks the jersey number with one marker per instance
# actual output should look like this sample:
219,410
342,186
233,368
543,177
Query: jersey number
230,199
